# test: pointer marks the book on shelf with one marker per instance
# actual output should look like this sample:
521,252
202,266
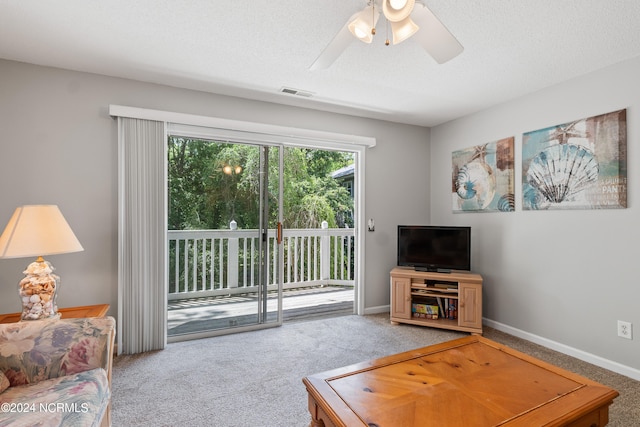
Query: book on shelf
441,284
445,286
430,307
450,308
426,311
452,313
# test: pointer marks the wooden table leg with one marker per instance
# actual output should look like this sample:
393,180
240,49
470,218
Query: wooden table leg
315,411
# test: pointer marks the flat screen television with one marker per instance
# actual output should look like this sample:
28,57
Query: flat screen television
434,248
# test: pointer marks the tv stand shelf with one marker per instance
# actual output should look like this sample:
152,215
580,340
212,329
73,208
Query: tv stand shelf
457,294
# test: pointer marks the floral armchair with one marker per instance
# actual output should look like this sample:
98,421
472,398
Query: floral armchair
56,372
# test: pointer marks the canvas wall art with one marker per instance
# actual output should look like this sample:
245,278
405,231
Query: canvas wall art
576,165
483,178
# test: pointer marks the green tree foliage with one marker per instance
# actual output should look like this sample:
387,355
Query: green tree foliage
212,183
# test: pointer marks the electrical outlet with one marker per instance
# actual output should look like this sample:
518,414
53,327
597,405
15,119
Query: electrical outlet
624,329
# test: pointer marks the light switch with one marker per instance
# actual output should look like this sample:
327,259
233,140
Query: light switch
371,226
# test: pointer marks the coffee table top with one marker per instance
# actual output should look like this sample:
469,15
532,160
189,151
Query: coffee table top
472,379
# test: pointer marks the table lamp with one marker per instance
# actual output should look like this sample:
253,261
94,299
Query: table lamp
37,230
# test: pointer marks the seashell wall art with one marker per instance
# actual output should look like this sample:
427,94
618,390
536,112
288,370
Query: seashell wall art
576,165
483,178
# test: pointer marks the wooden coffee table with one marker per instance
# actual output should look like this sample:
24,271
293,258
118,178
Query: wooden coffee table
471,381
99,310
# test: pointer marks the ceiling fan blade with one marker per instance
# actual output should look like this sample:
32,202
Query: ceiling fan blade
433,36
334,49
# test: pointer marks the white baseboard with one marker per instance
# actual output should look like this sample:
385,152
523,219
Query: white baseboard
377,310
553,345
565,349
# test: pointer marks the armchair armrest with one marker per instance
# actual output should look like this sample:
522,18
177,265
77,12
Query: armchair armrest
34,351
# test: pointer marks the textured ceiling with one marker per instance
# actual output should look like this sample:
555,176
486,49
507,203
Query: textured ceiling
253,48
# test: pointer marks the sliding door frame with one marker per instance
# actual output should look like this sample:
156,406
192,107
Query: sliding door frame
258,133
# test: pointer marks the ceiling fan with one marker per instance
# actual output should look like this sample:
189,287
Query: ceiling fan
407,18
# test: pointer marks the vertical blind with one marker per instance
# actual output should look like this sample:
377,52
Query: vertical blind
142,225
142,212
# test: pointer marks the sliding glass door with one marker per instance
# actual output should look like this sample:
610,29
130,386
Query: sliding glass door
269,289
225,256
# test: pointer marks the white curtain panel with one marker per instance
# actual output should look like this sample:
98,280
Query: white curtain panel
142,241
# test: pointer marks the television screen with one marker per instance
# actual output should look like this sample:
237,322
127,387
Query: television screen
434,248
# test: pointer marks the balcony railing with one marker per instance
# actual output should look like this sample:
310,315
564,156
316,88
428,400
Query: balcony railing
204,263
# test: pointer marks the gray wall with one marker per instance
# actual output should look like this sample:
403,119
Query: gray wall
59,147
563,278
559,277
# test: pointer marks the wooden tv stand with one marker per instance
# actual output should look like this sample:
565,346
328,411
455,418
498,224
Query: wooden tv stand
457,294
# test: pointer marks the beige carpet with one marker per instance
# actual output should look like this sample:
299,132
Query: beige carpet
255,378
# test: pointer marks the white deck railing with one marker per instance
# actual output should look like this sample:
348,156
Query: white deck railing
205,263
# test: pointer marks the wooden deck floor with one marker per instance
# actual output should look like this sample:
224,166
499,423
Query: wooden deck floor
203,314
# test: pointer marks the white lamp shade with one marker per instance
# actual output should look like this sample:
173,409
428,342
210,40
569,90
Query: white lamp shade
403,30
37,230
363,23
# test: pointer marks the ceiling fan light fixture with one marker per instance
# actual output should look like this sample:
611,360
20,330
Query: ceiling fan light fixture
397,4
364,24
432,36
397,10
403,30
